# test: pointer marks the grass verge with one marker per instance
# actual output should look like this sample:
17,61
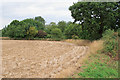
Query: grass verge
98,66
95,64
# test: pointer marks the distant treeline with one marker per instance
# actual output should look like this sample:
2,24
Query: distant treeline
91,19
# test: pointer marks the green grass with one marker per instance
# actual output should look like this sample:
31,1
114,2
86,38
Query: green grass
99,66
102,65
99,70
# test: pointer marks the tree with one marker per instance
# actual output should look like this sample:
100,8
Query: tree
56,33
32,32
52,24
4,31
0,33
14,22
38,22
62,25
40,19
22,29
49,27
16,32
96,17
73,30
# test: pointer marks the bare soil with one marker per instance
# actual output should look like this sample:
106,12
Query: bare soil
40,59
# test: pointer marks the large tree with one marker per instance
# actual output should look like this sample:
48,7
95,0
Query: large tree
96,17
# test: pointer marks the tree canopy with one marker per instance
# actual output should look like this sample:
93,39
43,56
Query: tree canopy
96,17
20,29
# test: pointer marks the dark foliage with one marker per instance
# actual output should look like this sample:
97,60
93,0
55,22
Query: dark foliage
95,18
41,34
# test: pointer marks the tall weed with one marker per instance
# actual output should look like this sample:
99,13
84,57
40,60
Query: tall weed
110,43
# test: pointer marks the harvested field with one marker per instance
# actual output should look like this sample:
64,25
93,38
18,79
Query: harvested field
39,59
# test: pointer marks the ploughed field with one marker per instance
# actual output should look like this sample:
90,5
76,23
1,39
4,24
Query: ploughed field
39,59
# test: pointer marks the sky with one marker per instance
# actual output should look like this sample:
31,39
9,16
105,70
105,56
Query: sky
50,10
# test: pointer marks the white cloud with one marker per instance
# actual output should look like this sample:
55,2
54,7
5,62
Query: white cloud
34,9
52,10
4,22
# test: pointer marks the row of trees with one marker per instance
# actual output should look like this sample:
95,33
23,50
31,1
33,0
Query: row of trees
90,21
30,29
25,29
63,30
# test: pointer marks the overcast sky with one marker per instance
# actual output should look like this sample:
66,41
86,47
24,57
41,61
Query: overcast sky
50,10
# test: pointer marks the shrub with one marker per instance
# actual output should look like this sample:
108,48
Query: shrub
56,33
41,34
48,36
110,43
75,37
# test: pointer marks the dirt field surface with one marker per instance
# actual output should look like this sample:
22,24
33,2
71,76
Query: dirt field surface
40,59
